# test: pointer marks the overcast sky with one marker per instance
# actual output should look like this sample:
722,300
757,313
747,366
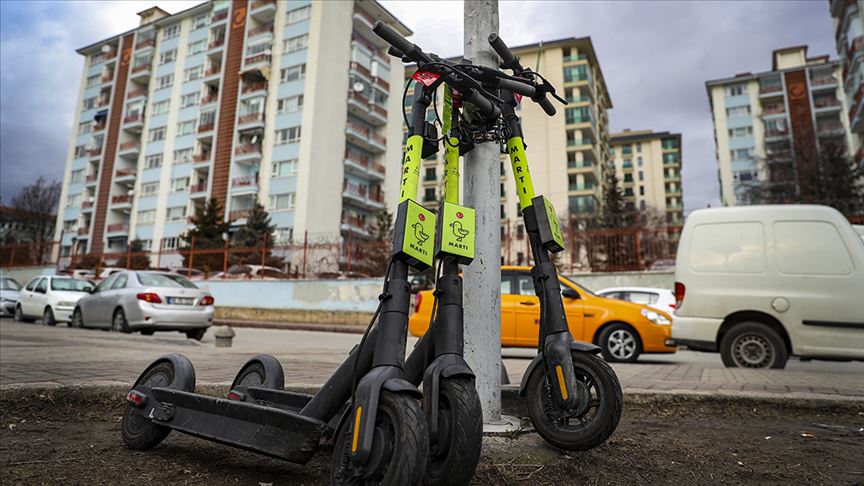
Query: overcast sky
655,56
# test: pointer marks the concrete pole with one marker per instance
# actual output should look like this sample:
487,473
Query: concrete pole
483,192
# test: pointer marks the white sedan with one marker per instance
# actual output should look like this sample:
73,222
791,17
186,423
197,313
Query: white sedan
50,298
660,299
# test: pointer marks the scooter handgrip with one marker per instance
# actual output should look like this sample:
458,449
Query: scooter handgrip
394,39
523,89
547,106
510,60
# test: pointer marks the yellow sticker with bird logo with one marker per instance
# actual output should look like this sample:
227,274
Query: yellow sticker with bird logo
414,240
454,236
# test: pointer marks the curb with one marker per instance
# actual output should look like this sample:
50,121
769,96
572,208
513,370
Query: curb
292,326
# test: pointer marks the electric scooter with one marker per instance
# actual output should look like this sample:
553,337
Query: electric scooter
574,397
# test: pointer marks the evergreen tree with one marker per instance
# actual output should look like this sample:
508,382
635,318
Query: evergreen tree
256,232
209,228
613,212
138,259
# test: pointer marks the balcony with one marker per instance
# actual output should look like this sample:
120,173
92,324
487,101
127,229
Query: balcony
117,228
201,158
216,44
213,73
138,93
130,148
91,179
239,214
266,29
257,61
574,187
219,16
359,69
354,224
361,136
134,122
263,10
122,200
826,104
95,153
98,127
207,100
365,109
121,175
776,133
107,78
822,82
199,188
828,129
140,73
83,231
362,166
244,184
363,195
145,43
87,206
251,122
770,89
576,58
205,131
381,83
251,88
773,110
248,154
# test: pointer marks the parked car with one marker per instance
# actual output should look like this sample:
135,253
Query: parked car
148,302
253,271
81,273
9,288
762,283
51,298
660,299
623,330
190,273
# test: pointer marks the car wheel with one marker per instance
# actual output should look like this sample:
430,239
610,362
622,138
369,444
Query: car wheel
77,319
19,315
620,343
753,345
48,317
196,334
147,332
119,322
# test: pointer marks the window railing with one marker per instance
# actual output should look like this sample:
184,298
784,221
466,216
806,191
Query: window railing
245,181
121,199
261,29
220,15
136,93
257,58
770,88
206,127
129,145
125,172
201,157
248,149
251,118
145,43
135,117
200,187
239,214
209,99
254,86
216,43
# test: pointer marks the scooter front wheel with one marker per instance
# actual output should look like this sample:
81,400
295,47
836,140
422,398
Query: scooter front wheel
455,452
400,446
596,414
261,370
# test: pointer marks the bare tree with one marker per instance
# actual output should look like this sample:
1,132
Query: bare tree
37,203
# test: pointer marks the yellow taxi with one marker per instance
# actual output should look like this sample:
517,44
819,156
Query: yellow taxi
622,329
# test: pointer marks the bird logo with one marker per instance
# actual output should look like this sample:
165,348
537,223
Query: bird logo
419,235
458,230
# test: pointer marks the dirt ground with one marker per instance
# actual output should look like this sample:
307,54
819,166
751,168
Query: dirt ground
72,436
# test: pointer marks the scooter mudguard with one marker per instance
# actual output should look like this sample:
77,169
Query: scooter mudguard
576,346
444,366
366,406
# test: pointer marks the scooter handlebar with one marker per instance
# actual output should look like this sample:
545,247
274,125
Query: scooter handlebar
510,60
523,89
400,43
547,106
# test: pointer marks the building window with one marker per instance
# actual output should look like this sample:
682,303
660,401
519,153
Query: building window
149,189
147,217
182,156
284,168
171,243
164,81
639,147
168,56
283,235
153,161
188,100
293,73
193,73
199,22
177,213
741,154
156,134
160,107
69,224
76,176
85,128
196,47
641,176
290,105
171,31
298,14
738,111
93,81
639,161
295,43
73,201
88,103
282,202
179,184
185,128
641,190
736,90
288,135
208,118
740,132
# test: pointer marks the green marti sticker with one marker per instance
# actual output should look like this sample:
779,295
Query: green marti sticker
547,221
414,241
454,235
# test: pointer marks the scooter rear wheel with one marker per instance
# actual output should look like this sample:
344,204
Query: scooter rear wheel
262,371
595,417
453,457
400,445
138,431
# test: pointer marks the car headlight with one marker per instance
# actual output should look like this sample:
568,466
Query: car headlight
66,304
656,317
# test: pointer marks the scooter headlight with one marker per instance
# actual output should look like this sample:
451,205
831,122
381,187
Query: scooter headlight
656,317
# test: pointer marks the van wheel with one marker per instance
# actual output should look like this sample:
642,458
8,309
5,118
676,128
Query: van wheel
620,343
753,345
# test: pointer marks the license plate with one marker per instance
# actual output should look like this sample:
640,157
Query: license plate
180,300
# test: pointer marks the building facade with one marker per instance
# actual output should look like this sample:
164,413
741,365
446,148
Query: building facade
849,35
648,166
285,103
770,127
566,152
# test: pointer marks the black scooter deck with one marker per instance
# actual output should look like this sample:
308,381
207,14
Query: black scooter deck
268,430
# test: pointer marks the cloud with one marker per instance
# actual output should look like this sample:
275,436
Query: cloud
656,57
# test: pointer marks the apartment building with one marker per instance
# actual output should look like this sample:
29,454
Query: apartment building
648,166
849,35
770,127
567,152
283,103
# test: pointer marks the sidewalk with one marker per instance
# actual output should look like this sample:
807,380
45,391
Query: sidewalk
31,354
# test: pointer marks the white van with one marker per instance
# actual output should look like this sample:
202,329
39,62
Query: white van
761,283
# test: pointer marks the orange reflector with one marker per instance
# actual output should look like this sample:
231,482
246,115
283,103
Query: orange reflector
356,429
561,383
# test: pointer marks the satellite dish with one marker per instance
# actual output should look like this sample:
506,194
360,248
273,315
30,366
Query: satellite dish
131,192
358,87
254,138
106,48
